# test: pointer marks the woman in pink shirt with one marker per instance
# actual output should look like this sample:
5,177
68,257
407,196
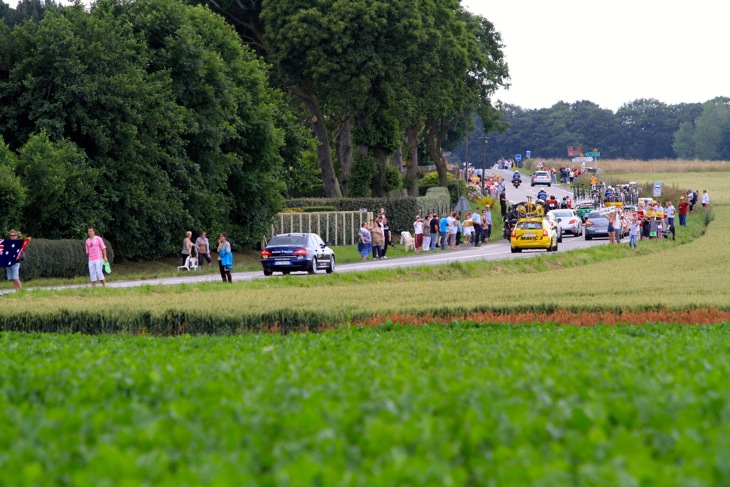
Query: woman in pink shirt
96,250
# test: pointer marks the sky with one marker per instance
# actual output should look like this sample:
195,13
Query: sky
611,53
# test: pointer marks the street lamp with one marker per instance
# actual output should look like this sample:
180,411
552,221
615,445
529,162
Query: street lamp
484,159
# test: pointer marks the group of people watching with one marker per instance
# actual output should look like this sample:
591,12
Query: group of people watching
449,231
200,251
375,237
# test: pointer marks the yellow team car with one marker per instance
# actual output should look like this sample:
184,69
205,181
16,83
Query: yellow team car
533,233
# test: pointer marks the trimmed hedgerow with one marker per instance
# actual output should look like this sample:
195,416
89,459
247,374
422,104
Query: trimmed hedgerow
57,258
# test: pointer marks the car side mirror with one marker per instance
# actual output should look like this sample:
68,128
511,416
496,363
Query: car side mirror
327,244
559,220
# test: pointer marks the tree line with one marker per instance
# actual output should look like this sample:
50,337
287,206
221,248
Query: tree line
643,129
150,117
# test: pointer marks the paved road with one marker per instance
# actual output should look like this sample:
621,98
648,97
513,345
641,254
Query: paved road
495,250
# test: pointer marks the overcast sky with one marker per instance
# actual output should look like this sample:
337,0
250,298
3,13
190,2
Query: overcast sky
611,53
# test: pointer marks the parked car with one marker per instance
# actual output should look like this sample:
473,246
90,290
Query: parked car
293,252
541,177
533,233
596,225
568,221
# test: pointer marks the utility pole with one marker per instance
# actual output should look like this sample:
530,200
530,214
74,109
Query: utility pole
466,161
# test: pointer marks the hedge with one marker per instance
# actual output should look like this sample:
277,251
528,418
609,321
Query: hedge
57,258
401,212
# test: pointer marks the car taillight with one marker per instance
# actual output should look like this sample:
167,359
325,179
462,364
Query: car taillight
589,223
514,234
300,252
544,233
573,221
265,254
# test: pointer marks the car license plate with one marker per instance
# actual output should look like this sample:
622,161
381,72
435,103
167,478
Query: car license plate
529,235
281,262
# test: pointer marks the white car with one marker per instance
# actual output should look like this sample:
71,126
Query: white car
541,177
568,221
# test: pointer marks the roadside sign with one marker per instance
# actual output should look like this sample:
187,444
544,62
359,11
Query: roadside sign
518,157
582,159
657,190
575,150
593,154
528,154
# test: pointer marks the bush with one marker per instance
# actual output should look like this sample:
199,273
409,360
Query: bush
436,200
57,258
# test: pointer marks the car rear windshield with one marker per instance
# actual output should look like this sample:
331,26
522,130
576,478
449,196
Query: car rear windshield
563,214
596,214
289,240
529,225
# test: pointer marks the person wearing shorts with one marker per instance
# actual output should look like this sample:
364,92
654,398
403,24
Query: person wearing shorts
13,272
96,251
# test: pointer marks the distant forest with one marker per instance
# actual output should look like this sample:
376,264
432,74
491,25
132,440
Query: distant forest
644,129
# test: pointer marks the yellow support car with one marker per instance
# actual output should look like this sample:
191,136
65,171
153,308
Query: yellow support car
533,233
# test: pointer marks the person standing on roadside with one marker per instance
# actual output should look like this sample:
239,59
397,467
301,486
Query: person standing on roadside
187,247
487,224
683,207
705,199
225,257
96,251
476,218
376,230
611,228
503,202
443,231
387,239
427,233
203,246
434,224
13,271
365,242
418,233
670,211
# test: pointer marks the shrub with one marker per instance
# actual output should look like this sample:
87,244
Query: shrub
436,200
57,258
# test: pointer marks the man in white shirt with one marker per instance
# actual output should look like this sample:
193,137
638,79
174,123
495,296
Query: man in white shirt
705,198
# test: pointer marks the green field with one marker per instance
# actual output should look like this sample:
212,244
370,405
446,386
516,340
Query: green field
464,404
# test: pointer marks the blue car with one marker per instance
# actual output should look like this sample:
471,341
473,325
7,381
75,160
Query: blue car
297,252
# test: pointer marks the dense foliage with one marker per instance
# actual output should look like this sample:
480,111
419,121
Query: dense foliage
63,258
145,119
435,405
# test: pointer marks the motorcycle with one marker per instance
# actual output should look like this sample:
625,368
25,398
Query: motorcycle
516,182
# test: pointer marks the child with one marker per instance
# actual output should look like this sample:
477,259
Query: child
654,229
634,229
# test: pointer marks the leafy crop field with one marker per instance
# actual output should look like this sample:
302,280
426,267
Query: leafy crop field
464,404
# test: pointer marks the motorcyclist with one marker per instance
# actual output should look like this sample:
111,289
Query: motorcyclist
517,175
552,202
542,195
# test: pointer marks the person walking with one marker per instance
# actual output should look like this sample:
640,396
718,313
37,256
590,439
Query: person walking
225,257
203,246
96,251
13,271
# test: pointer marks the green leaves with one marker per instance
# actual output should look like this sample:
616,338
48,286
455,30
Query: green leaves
432,405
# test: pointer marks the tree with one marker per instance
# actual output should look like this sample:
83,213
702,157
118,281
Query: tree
12,191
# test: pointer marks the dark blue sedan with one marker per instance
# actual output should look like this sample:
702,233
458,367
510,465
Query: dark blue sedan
292,252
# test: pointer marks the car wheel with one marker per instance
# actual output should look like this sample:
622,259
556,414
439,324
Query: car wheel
588,237
556,247
531,185
267,272
516,250
560,237
549,185
286,273
331,267
313,266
